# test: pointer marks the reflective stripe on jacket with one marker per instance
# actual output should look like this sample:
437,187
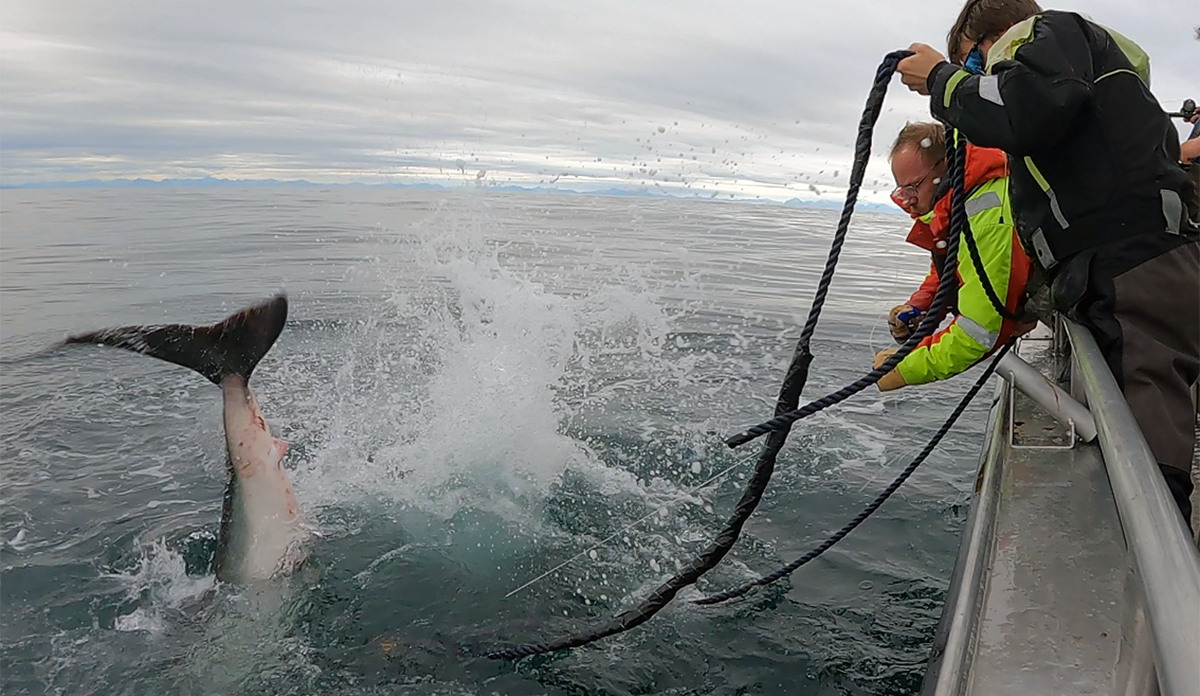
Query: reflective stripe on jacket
1093,157
978,329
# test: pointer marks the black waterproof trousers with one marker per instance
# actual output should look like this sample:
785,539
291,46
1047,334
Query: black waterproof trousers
1141,299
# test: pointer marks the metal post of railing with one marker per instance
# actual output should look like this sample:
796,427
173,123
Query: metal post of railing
1057,402
1167,561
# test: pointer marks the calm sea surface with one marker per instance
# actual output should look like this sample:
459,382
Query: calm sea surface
475,388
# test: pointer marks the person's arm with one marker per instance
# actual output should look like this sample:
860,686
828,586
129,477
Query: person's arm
978,329
922,298
1189,149
1041,78
1041,75
951,351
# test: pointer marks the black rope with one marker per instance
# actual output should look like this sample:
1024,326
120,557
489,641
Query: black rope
977,261
789,398
959,223
947,284
870,509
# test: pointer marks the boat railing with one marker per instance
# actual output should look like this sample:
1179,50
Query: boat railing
1164,555
1076,573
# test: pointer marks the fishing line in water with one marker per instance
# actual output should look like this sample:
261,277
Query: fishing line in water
850,526
828,543
632,525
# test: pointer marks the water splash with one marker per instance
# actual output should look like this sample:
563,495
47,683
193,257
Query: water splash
453,391
158,586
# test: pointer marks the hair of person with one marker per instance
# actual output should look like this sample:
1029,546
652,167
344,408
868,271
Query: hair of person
928,139
986,19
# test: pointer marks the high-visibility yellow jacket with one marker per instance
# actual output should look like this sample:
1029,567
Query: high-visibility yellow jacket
977,329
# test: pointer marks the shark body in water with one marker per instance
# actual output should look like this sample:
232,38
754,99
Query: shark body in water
262,534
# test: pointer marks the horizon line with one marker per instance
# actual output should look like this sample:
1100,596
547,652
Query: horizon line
635,191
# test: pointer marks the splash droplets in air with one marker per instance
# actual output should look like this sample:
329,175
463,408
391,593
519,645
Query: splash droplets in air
449,393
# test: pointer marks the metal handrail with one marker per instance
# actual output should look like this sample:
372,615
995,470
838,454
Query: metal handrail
947,671
1058,403
1164,555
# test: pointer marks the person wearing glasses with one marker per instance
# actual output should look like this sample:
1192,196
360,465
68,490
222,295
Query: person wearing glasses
918,159
1097,194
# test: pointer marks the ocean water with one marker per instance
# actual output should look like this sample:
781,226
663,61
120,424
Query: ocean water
475,388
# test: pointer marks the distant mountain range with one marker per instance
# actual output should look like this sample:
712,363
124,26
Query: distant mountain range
638,192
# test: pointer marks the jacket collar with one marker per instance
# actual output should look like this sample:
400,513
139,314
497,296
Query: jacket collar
983,165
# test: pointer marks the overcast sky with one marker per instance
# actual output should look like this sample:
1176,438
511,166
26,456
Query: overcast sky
750,98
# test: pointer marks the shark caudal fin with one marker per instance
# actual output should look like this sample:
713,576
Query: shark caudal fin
232,347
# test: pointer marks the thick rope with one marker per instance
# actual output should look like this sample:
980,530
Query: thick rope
958,225
947,282
870,509
977,262
789,397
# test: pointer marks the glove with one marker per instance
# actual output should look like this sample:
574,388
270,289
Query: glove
891,380
903,320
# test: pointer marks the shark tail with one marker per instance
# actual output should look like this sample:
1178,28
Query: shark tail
231,347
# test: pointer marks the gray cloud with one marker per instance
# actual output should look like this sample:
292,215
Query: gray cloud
758,98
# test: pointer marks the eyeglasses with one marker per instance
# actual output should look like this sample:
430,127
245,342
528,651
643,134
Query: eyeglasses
905,195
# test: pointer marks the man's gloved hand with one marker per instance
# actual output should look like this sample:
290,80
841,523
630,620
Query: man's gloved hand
891,380
903,321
